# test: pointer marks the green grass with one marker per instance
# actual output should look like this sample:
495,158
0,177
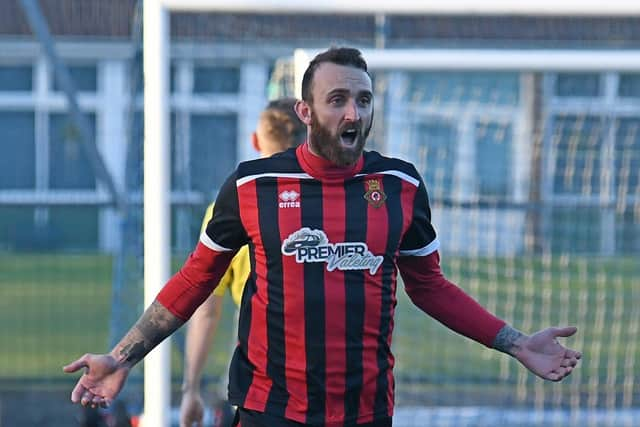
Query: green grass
54,308
600,296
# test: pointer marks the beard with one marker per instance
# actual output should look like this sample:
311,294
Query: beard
329,145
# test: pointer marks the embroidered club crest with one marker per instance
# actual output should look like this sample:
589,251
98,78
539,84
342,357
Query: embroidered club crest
374,195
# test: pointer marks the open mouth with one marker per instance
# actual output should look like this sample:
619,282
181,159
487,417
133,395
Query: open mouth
349,136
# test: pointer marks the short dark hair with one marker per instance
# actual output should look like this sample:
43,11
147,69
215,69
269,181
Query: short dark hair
282,125
335,55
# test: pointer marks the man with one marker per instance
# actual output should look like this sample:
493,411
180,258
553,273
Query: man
278,129
316,316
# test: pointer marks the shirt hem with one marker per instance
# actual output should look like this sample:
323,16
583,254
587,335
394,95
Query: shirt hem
256,405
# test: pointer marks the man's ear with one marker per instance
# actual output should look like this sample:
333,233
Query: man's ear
255,142
304,112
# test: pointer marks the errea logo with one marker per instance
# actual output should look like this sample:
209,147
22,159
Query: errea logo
289,199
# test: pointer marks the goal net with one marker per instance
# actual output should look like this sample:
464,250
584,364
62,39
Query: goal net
531,156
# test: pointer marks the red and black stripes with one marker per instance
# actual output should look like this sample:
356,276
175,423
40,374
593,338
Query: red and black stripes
394,214
293,300
355,226
335,305
248,380
276,347
312,215
317,314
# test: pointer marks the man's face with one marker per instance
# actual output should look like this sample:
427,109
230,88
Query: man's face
341,113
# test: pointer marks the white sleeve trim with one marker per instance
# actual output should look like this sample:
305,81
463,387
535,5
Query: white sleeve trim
206,240
240,182
430,248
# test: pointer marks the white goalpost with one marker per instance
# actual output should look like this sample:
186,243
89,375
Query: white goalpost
157,169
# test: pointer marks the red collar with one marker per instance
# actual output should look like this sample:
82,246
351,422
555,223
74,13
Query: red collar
321,168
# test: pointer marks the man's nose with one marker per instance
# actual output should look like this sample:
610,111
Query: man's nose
351,112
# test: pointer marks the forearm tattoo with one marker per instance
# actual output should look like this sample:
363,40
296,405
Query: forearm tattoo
506,339
155,324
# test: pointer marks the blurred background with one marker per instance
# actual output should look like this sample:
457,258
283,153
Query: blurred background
533,176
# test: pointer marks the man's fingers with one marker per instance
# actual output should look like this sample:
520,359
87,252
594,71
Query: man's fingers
569,361
565,372
87,398
573,354
560,373
74,366
97,401
77,392
78,364
564,332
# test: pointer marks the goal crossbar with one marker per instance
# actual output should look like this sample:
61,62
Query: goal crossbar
451,7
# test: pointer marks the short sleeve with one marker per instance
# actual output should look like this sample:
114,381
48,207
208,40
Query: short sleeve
420,238
225,231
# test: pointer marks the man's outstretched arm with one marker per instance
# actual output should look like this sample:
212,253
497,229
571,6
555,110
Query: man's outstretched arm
105,374
540,352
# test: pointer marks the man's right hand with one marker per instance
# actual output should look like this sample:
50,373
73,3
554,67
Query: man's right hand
101,382
191,409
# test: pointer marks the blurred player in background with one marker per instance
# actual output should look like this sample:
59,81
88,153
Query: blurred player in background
278,129
316,317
